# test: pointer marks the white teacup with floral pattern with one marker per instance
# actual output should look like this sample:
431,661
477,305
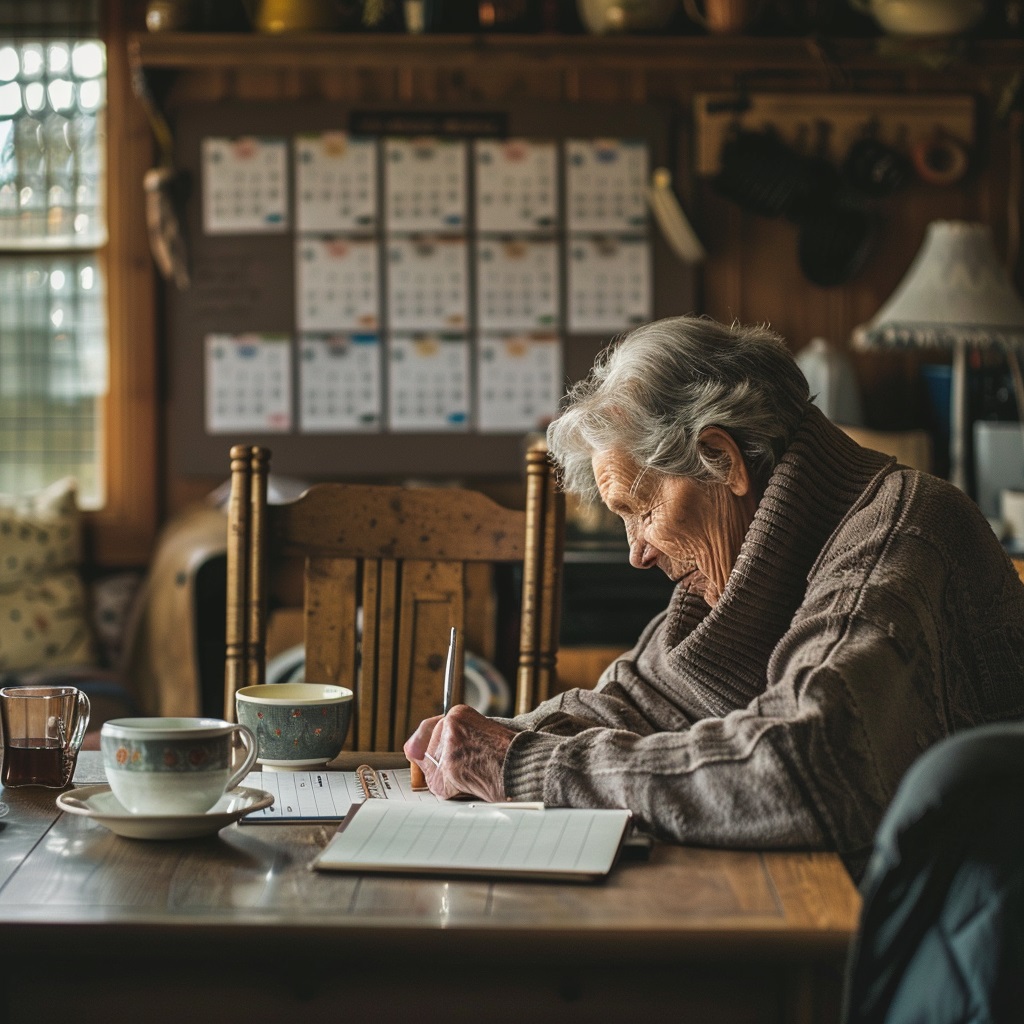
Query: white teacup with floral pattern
168,766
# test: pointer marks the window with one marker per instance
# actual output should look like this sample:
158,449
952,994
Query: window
53,317
77,325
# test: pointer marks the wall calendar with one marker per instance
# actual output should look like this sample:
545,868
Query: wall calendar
391,286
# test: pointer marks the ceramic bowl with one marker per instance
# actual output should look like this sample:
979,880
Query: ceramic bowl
297,725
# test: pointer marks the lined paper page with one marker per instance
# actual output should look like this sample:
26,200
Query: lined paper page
459,838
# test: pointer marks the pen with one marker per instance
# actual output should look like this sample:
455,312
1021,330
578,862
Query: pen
449,672
512,805
449,681
418,780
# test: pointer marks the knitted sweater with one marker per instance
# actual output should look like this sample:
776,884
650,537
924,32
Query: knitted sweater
871,611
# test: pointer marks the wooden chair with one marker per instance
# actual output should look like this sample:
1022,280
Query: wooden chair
382,573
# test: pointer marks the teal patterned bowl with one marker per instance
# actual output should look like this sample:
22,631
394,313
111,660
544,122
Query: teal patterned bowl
297,725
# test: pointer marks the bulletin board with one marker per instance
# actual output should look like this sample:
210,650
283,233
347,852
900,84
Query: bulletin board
384,293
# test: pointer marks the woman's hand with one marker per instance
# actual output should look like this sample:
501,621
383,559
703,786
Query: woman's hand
461,754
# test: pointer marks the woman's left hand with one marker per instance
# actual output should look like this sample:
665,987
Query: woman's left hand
469,751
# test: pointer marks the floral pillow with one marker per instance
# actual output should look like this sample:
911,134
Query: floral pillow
43,615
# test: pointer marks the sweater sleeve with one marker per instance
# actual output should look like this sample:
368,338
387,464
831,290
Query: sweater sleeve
612,703
811,763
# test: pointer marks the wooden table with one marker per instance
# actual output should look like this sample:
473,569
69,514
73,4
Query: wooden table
236,927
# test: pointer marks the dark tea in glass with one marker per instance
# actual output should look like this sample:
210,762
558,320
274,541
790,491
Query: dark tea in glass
33,761
43,727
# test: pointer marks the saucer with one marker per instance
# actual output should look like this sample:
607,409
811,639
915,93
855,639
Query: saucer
297,766
100,804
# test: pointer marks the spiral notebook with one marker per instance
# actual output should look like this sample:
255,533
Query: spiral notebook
455,838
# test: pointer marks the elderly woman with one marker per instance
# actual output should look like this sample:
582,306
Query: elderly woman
834,614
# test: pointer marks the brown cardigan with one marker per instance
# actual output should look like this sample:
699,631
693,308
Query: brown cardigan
871,611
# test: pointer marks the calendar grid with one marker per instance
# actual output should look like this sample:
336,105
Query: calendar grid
436,279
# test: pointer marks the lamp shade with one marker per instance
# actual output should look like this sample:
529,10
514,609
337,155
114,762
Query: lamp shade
955,292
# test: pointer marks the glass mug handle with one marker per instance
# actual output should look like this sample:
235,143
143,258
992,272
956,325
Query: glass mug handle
248,738
70,748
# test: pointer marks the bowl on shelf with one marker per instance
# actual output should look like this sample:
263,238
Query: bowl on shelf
601,17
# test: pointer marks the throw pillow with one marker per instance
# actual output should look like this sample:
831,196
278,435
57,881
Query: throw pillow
39,532
43,614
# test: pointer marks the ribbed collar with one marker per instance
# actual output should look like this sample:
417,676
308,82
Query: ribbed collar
724,650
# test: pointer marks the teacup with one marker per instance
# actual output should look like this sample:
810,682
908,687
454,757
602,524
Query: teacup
297,725
173,765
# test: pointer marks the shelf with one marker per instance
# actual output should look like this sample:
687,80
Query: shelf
649,54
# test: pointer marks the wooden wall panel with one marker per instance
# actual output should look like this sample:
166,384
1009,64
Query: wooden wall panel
752,272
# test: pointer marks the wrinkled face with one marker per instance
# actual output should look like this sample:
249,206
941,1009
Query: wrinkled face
677,524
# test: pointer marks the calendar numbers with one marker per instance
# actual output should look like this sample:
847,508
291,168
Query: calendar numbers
335,183
245,185
340,383
517,284
609,284
425,185
606,185
435,278
337,284
248,383
516,185
427,284
519,382
428,382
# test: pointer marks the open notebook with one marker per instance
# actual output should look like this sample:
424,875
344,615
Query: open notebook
455,838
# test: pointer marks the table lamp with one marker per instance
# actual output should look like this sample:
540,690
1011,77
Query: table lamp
955,294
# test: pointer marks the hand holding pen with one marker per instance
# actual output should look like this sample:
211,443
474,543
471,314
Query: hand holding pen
465,750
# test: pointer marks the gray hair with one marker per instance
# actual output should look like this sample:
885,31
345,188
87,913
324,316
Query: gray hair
652,392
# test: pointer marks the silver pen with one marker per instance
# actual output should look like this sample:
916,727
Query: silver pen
449,685
449,672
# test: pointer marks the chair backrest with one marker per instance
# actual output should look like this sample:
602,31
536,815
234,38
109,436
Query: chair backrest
382,573
912,448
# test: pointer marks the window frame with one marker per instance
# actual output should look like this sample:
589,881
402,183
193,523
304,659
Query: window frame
121,533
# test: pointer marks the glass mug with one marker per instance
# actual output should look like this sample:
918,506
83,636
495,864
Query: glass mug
43,728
